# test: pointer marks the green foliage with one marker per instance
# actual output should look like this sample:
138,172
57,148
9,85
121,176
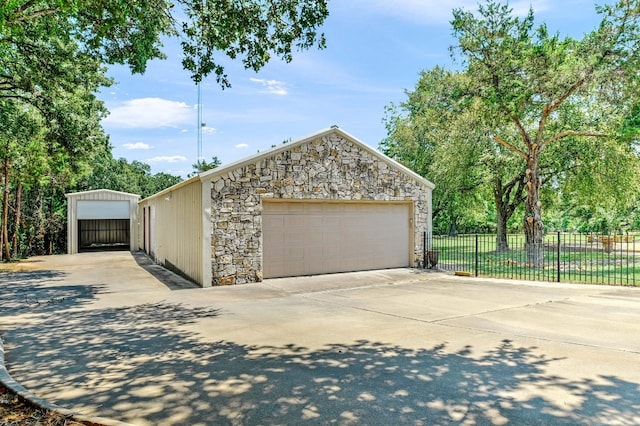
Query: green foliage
252,30
120,175
568,100
46,140
130,31
532,118
202,166
442,133
52,57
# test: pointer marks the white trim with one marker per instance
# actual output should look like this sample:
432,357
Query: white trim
171,188
97,191
206,235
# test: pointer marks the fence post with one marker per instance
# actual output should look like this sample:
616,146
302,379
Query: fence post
558,256
476,255
424,251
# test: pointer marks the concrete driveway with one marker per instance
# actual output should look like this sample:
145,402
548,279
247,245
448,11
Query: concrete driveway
101,335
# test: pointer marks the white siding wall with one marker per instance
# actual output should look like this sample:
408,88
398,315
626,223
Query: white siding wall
174,230
101,195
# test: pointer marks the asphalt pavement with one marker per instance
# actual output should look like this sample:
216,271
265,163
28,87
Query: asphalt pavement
114,336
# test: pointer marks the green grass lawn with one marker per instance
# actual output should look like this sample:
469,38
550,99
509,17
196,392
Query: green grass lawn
580,259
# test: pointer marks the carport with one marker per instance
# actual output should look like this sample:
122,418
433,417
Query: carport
101,220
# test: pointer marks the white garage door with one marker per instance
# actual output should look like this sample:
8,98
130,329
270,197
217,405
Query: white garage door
91,209
307,238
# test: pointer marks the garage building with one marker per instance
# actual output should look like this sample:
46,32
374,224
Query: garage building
101,220
325,203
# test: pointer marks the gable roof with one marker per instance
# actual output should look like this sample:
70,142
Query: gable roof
218,171
101,191
210,174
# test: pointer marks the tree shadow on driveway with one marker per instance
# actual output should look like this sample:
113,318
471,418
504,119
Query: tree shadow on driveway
141,364
39,292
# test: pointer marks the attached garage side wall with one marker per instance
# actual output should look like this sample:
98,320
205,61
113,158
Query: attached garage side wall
175,228
332,168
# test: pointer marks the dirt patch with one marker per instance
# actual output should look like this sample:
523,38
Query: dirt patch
25,265
16,411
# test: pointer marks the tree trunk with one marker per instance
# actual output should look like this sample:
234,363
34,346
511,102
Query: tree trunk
16,229
50,234
2,221
533,226
501,230
507,198
501,214
36,235
5,212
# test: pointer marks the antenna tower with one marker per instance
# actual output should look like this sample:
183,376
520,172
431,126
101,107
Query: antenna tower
200,123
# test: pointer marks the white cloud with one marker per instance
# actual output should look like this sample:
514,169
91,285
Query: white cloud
208,130
272,87
148,113
136,145
177,172
167,159
521,8
242,145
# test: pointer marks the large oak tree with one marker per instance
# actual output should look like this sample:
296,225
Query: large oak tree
553,90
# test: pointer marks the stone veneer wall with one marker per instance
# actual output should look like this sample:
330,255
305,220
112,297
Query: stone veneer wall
328,168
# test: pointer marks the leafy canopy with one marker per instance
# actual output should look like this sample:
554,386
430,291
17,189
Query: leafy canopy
131,31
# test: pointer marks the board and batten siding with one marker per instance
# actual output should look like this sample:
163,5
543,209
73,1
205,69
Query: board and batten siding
174,229
102,198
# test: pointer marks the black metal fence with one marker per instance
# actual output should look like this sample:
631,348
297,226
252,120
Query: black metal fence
562,257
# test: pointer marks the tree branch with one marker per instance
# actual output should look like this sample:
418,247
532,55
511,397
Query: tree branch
509,146
567,133
549,109
36,14
521,129
509,186
575,86
519,195
27,5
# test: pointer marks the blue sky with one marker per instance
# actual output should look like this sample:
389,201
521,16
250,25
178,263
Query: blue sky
375,51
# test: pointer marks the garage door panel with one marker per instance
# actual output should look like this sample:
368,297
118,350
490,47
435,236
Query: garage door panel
313,252
94,210
294,253
311,238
